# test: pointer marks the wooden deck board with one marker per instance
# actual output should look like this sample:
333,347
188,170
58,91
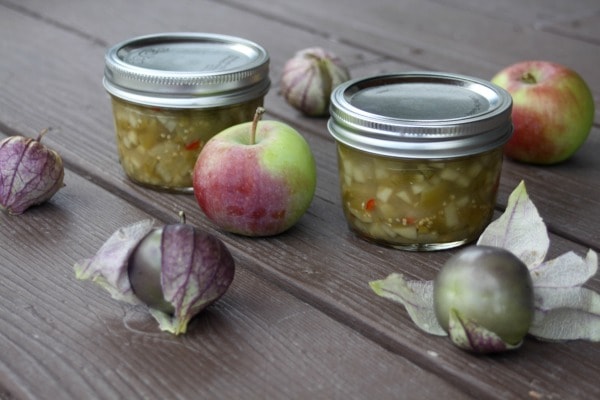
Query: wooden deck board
29,106
438,36
300,320
63,338
576,19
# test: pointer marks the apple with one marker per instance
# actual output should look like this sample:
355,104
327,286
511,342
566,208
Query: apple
255,178
553,111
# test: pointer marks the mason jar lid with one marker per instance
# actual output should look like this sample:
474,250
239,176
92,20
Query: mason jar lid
421,115
187,70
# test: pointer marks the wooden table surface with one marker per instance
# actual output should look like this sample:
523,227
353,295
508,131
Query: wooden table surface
299,320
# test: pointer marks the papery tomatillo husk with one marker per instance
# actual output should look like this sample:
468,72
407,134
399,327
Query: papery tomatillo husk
30,173
194,270
309,78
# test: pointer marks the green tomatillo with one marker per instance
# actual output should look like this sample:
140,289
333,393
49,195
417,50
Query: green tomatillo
483,297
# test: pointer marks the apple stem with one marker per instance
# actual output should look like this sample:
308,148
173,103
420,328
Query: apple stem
528,77
257,116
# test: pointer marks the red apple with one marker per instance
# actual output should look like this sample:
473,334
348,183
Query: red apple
553,111
255,178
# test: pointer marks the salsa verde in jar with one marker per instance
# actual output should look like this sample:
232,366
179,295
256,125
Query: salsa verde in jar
172,92
419,156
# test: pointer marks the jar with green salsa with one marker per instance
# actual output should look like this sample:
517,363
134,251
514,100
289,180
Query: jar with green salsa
172,92
419,157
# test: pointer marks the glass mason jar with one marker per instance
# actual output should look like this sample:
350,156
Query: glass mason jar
419,156
172,92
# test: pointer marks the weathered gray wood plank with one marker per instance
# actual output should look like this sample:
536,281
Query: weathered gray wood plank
577,19
64,338
75,103
442,36
318,261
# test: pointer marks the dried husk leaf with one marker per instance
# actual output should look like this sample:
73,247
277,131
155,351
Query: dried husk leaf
548,299
470,336
563,324
109,266
565,310
416,296
520,229
197,270
567,270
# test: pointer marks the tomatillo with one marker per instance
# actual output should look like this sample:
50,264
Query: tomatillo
485,287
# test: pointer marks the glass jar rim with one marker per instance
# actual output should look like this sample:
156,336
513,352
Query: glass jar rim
421,115
186,70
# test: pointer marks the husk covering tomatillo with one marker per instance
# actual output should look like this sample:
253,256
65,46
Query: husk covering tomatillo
30,173
194,270
308,79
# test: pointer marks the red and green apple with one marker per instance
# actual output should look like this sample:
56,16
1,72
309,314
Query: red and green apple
553,111
256,178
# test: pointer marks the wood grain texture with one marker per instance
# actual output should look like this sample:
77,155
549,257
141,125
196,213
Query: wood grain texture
300,320
576,19
85,108
67,339
444,37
